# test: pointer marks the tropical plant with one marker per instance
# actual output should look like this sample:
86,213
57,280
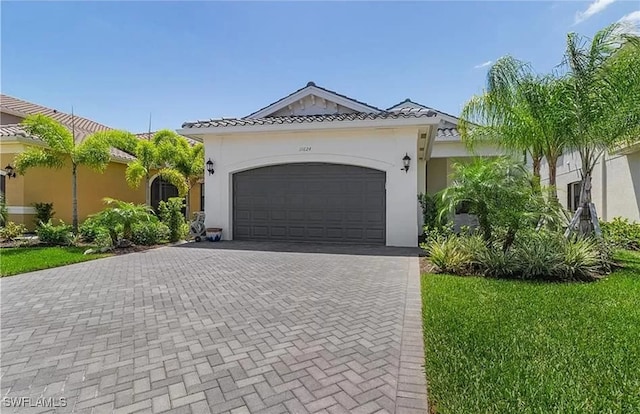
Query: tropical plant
148,234
622,233
519,112
44,212
500,192
170,213
4,211
121,216
11,231
60,235
449,255
183,158
602,100
62,146
148,159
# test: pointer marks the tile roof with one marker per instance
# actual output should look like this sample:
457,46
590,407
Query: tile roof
447,132
14,130
319,87
22,108
147,136
409,101
300,119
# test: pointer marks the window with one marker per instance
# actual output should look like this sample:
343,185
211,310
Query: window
201,196
3,184
573,195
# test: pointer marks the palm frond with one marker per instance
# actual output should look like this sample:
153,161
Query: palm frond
54,134
38,157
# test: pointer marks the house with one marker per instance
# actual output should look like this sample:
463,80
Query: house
45,185
615,184
319,166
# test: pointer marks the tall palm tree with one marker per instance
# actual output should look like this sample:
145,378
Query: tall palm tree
518,111
602,106
62,146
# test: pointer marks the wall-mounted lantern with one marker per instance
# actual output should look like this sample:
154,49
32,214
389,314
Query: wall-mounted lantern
406,161
210,169
11,173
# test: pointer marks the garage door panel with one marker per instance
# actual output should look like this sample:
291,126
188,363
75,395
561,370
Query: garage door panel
310,202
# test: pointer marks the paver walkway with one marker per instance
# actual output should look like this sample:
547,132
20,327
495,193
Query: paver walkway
224,329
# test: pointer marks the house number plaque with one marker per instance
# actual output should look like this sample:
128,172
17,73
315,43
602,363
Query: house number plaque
304,149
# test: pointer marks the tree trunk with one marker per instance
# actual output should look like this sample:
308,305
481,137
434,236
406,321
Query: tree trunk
147,192
188,205
536,173
553,191
585,227
74,197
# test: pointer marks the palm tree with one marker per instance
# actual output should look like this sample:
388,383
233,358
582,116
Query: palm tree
518,112
602,106
181,159
93,152
125,214
148,160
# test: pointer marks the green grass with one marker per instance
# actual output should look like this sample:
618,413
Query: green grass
500,346
26,259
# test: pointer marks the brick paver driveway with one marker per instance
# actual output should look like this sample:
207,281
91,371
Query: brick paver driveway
222,329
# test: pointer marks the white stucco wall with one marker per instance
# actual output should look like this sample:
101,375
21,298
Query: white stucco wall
615,186
380,149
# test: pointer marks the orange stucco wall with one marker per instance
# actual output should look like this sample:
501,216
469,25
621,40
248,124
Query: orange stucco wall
45,185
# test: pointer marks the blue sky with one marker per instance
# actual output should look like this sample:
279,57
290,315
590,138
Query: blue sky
116,62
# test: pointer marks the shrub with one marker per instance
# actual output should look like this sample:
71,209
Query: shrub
149,234
449,255
621,233
120,217
44,212
4,212
170,213
91,229
497,263
12,230
581,260
59,235
538,255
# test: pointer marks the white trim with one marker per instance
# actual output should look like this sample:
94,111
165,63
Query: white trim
320,93
21,210
314,126
3,172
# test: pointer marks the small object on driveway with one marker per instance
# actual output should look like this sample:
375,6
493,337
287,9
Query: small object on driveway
214,234
196,228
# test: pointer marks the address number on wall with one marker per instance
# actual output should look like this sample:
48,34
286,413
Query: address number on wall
304,149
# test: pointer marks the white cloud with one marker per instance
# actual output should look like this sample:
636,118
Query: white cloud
631,22
483,65
594,8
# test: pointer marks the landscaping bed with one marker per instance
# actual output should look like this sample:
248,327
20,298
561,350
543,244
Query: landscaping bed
495,345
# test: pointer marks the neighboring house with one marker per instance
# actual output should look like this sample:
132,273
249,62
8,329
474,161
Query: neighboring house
615,185
318,166
46,185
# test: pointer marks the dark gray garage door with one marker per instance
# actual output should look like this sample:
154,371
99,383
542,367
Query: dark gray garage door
312,202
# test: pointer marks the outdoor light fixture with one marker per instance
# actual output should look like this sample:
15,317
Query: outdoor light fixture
210,169
10,171
406,160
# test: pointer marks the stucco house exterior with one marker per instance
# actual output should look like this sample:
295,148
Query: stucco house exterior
318,166
615,185
46,185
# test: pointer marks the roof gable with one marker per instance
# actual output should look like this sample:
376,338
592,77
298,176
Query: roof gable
409,105
313,100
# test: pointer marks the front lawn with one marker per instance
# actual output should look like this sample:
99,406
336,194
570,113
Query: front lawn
26,259
502,346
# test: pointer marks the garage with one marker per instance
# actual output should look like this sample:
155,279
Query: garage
310,202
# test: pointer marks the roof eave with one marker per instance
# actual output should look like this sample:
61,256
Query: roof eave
197,133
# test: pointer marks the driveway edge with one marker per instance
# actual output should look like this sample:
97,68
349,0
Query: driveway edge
411,393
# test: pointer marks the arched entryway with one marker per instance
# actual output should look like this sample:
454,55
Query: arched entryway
310,202
161,190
